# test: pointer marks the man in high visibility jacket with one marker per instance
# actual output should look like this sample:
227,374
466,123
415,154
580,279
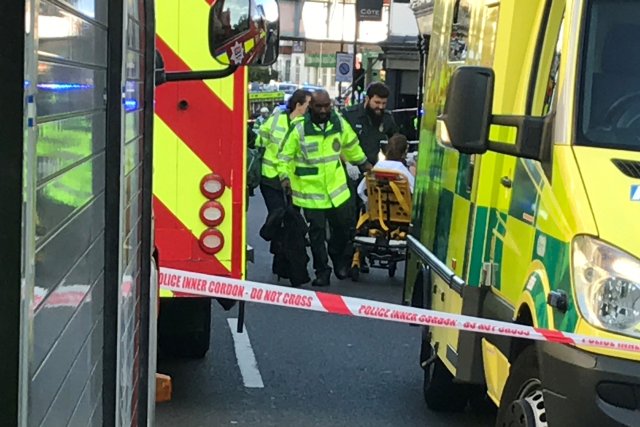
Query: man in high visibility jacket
270,137
310,166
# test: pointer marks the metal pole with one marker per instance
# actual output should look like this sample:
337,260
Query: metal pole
340,82
319,72
341,48
423,49
355,53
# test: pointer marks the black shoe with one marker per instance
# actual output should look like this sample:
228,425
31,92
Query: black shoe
322,279
364,267
342,272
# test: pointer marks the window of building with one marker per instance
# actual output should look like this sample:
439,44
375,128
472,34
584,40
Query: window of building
296,71
459,39
287,71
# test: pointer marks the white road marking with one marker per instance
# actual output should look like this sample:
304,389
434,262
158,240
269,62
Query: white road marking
246,358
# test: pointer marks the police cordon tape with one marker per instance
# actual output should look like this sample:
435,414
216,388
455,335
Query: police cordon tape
244,290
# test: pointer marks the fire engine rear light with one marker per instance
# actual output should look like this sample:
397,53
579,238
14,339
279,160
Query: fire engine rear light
212,186
212,213
211,241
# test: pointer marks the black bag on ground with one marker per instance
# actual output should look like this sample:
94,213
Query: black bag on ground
286,229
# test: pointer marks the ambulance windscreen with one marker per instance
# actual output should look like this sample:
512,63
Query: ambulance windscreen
609,106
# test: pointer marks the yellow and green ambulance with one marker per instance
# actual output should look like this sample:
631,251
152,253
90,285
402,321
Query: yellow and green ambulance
527,205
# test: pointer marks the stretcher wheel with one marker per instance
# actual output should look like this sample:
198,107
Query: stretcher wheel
354,273
392,269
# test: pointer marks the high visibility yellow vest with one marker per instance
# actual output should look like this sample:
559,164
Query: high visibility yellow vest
311,159
270,137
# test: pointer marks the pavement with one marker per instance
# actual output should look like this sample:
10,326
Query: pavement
301,368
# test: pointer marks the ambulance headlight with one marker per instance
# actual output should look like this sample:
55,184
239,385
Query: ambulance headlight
607,282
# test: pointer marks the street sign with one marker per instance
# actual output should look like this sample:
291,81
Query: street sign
369,10
344,67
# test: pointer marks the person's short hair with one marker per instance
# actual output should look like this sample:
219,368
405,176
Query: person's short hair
319,92
299,96
396,147
379,89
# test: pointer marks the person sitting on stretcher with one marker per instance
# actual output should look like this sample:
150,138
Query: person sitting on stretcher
396,154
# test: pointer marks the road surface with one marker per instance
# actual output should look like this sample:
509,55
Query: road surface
301,368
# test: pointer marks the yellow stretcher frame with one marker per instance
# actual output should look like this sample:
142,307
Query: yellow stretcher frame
381,231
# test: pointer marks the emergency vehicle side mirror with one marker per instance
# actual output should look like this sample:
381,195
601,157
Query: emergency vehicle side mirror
244,32
466,119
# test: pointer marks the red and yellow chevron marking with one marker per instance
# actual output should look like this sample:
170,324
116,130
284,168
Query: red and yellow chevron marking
208,136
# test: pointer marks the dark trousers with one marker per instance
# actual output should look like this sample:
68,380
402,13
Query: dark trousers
356,201
358,207
340,243
273,198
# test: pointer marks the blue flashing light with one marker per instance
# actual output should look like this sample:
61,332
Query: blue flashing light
130,104
62,87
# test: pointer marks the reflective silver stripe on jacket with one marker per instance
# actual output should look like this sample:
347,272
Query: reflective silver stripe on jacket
268,162
312,147
351,143
303,145
305,196
336,192
274,123
321,160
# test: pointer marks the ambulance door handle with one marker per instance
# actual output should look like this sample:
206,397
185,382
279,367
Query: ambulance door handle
183,105
506,182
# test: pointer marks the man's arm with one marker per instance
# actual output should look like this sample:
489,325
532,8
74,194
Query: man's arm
264,134
351,149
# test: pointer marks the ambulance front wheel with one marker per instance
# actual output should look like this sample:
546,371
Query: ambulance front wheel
522,403
441,393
